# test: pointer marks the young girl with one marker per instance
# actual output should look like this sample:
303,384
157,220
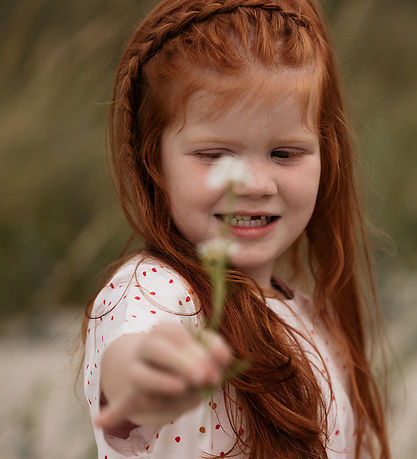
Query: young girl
253,80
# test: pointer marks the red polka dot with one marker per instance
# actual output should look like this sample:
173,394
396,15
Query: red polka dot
137,285
88,331
337,432
87,365
147,447
177,439
95,365
111,285
171,281
152,293
104,301
111,318
137,298
221,454
154,270
217,426
133,316
144,273
153,312
157,435
89,401
188,299
202,429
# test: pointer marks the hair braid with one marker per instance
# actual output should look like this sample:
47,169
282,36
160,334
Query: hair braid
178,20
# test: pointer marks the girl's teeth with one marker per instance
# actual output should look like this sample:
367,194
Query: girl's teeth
248,222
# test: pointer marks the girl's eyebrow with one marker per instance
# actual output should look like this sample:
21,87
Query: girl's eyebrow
217,140
306,141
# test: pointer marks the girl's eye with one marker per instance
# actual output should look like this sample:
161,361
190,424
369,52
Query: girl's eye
285,155
282,154
210,155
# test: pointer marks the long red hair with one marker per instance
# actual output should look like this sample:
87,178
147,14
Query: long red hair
281,402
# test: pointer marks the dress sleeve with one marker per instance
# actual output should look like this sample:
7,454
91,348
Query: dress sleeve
137,298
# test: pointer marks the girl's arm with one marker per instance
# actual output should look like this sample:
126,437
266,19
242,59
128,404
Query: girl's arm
153,378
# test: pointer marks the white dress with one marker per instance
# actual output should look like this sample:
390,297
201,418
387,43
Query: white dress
134,301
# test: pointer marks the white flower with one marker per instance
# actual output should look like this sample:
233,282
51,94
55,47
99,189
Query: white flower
228,171
216,248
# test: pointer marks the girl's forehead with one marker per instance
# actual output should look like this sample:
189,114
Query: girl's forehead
217,95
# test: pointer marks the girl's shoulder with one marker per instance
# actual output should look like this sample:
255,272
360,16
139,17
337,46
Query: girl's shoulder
145,284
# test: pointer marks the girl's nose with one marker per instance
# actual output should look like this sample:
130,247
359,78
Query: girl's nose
262,182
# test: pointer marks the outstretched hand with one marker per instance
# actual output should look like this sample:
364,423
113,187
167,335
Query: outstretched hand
152,379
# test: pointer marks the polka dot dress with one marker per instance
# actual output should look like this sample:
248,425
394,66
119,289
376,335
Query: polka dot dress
134,301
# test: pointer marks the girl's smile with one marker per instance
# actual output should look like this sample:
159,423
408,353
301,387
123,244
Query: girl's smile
272,209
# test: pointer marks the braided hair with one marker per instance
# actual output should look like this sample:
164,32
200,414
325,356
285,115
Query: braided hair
280,399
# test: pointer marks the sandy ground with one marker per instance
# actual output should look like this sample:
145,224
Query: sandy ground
44,417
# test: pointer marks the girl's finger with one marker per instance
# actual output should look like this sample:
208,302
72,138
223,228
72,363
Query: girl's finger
146,379
218,348
192,363
113,414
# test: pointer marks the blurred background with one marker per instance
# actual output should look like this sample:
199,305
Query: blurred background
60,223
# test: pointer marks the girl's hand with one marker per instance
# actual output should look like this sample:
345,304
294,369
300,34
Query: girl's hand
151,379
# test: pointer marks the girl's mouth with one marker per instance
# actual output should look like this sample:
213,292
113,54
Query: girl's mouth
247,221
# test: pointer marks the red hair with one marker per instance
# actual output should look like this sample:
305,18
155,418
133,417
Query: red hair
160,69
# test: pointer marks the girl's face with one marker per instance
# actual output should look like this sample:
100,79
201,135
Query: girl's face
284,160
